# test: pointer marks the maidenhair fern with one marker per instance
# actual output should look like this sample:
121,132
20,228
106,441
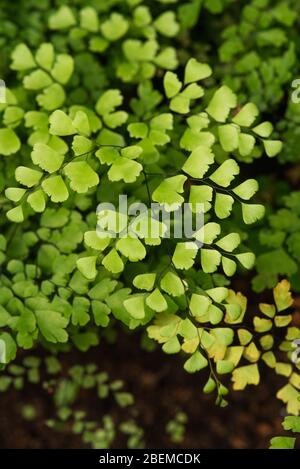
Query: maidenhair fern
292,424
72,151
104,105
280,241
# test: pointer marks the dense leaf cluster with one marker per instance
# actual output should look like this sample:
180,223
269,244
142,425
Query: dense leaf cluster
111,98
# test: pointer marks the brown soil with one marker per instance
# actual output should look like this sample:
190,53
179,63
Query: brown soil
161,387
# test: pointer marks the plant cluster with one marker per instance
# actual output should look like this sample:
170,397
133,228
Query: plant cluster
176,427
65,391
279,244
292,424
113,98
